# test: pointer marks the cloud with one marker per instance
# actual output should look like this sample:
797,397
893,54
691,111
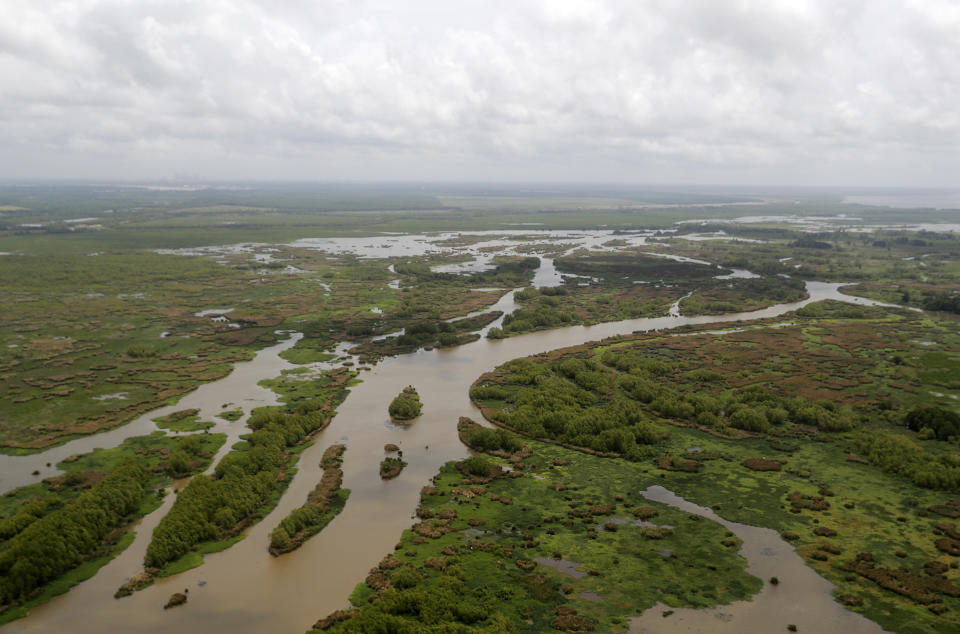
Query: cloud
799,91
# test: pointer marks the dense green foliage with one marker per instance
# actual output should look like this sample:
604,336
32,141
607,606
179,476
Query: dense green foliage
949,302
322,505
547,312
941,423
79,554
742,293
28,513
477,465
210,508
900,455
63,538
754,408
605,404
574,303
872,457
406,405
442,333
308,518
486,439
572,405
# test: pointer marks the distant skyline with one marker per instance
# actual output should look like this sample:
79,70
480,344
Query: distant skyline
818,93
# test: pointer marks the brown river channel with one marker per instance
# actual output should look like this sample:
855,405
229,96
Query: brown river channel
244,589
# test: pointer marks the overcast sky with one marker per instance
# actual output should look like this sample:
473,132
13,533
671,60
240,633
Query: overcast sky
654,91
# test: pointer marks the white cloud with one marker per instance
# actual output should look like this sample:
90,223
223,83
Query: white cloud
701,90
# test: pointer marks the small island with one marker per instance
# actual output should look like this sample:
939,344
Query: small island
406,406
323,504
391,467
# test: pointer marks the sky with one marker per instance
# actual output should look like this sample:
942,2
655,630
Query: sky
738,92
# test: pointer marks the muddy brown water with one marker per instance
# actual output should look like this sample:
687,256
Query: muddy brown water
802,597
244,589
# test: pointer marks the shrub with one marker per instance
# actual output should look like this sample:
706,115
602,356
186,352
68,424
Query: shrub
477,465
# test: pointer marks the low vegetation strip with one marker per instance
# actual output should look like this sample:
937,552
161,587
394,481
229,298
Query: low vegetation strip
323,504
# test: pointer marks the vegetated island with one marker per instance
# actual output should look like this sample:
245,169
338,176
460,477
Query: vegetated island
183,421
391,467
406,406
61,531
323,504
212,512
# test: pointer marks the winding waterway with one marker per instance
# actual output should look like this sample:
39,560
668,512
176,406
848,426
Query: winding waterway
802,597
243,589
238,389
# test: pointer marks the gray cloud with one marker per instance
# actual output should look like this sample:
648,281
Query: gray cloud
744,91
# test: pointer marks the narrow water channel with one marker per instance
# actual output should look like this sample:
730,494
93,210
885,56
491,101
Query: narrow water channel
802,597
239,388
244,590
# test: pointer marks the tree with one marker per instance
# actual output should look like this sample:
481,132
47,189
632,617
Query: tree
179,462
279,538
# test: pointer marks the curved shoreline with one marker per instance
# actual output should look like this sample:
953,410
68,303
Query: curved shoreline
240,386
289,593
770,610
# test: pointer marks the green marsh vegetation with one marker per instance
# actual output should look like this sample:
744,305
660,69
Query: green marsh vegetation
211,512
911,268
83,347
183,420
743,295
56,533
406,405
90,302
98,327
427,334
818,425
556,543
571,304
632,284
90,342
322,505
361,304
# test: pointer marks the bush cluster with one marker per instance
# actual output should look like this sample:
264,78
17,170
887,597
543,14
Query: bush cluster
210,507
64,538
